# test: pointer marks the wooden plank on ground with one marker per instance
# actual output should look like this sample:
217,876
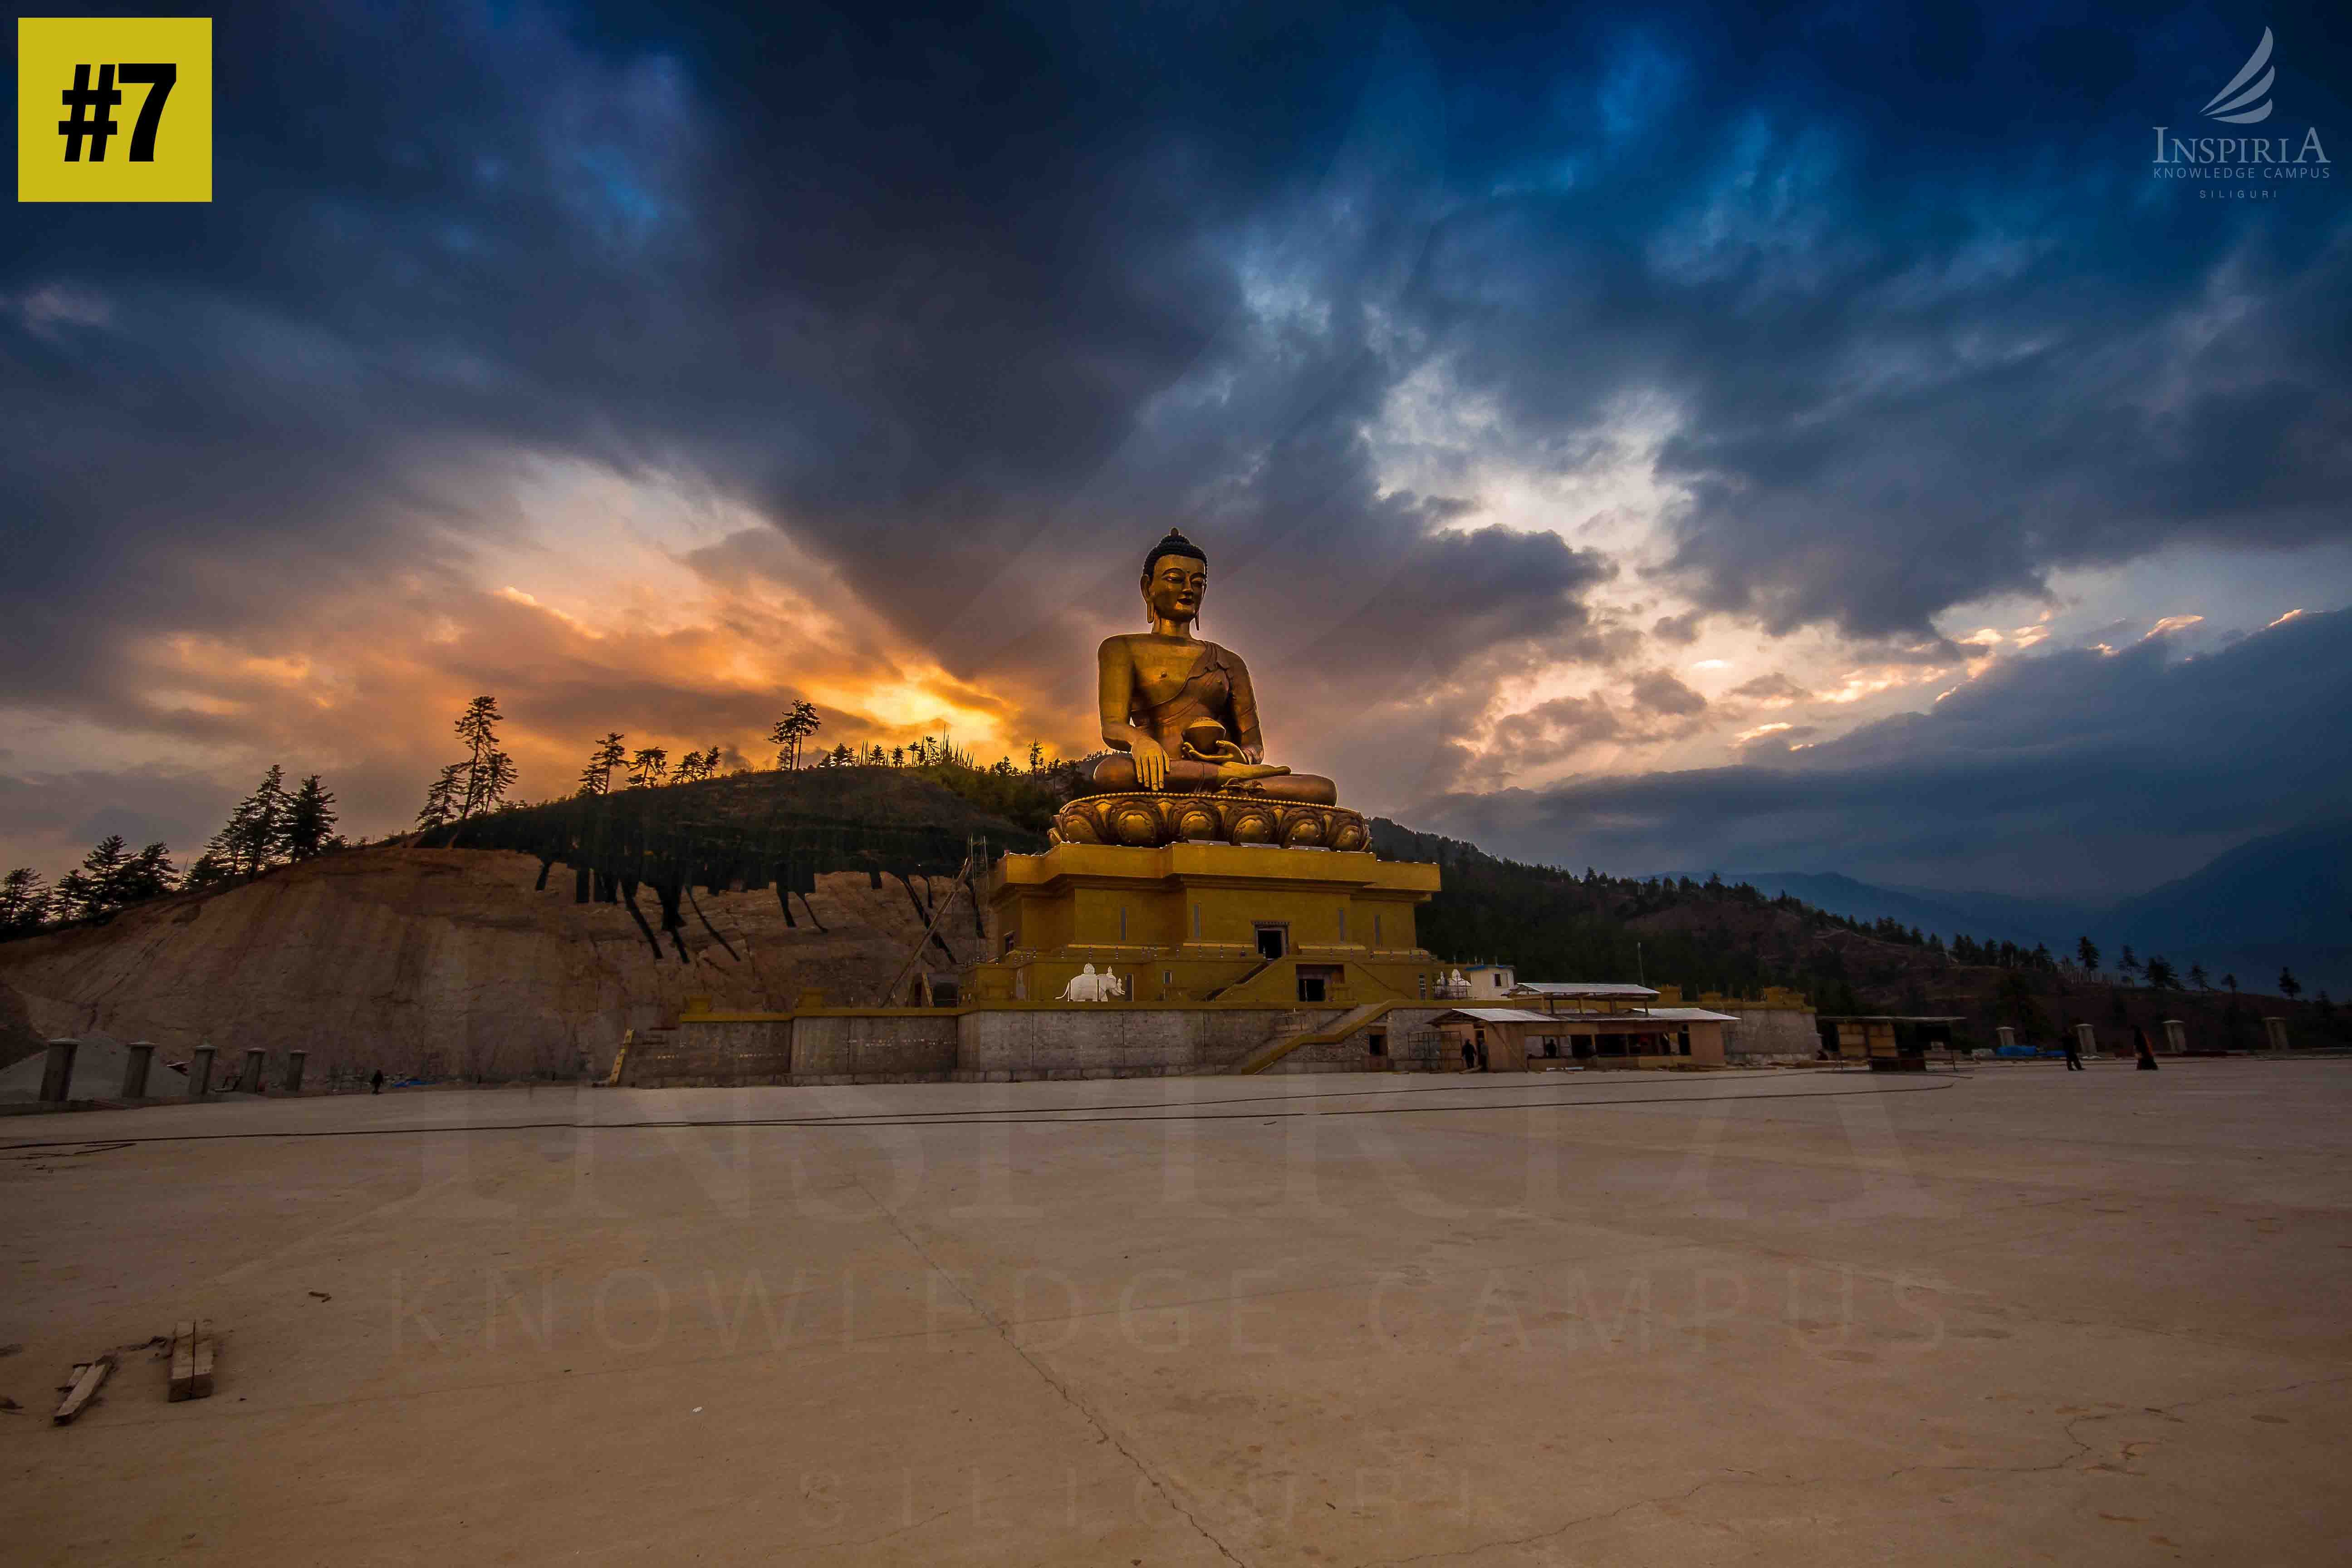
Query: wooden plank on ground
201,1386
85,1386
183,1361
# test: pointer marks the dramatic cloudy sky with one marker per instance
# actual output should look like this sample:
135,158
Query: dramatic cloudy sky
1796,436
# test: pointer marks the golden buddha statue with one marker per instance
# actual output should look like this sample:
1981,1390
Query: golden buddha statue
1181,720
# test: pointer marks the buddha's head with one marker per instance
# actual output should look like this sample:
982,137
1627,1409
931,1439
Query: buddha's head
1175,576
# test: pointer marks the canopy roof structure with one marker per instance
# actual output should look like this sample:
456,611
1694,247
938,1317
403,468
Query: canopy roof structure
1653,1019
1496,1016
1595,988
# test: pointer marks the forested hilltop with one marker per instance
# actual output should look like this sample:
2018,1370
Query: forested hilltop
819,822
1551,923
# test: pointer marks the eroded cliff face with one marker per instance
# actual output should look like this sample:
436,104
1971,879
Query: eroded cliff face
448,962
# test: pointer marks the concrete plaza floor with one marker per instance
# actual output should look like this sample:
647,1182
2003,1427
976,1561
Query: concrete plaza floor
2019,1316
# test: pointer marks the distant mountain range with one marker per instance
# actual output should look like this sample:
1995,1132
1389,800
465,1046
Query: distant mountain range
2281,900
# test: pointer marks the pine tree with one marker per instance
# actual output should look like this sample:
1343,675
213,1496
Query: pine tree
210,868
2197,977
597,778
791,730
497,777
87,890
2086,954
2289,986
1037,765
488,773
441,799
149,874
23,901
2127,965
648,767
255,838
2159,974
310,820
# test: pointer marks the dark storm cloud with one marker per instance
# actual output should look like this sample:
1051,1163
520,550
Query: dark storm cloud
2072,772
1929,326
903,283
911,282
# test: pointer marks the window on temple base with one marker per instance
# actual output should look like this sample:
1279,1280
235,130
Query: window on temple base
1011,940
1377,1043
1273,941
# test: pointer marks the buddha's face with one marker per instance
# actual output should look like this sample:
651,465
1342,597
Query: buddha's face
1173,589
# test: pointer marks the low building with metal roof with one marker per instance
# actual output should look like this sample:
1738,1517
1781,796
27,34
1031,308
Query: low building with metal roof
1517,1039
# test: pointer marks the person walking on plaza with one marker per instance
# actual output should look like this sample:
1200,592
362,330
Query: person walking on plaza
2140,1048
2073,1055
376,1083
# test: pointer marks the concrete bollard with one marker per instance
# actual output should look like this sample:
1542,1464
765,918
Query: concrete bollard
2275,1028
199,1072
2007,1036
2175,1037
257,1060
135,1070
57,1073
2086,1040
294,1060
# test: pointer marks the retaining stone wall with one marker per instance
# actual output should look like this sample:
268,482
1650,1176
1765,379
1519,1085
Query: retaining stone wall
1782,1032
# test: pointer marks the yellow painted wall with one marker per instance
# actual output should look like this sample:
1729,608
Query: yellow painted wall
1775,997
1181,922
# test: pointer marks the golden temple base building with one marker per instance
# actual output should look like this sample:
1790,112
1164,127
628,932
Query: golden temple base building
1205,923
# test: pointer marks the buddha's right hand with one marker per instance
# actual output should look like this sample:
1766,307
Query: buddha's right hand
1151,762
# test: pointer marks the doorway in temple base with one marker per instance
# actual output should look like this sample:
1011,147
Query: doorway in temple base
1273,941
1316,981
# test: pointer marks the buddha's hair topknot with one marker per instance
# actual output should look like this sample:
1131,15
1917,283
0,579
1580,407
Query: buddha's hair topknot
1175,544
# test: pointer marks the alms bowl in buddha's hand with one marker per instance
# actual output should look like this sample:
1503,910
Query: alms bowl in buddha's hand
1205,741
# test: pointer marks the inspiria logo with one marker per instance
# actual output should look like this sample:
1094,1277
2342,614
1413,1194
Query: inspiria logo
2242,168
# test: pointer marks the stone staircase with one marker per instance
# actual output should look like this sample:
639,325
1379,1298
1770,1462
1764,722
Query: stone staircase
1291,1036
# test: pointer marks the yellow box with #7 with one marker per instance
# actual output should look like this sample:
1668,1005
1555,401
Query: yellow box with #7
114,109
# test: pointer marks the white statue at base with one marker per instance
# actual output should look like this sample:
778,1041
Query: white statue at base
1092,987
